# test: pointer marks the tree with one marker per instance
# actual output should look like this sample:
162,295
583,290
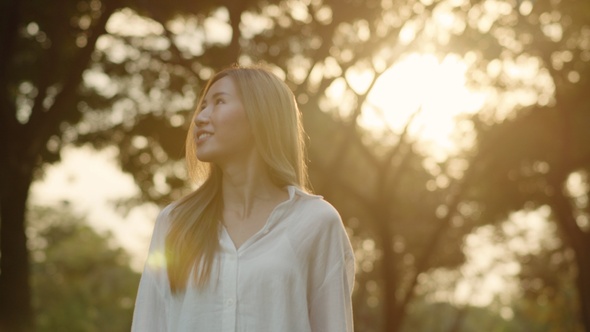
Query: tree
30,65
80,282
68,77
46,53
544,142
50,66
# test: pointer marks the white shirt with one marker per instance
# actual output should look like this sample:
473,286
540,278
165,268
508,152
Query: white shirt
295,275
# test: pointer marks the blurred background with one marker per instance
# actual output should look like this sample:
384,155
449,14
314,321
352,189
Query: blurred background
453,136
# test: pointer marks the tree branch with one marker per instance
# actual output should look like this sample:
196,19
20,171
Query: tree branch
47,123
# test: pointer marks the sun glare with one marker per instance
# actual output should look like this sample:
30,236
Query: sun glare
422,83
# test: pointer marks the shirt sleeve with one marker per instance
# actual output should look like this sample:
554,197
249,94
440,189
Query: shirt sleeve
149,314
332,272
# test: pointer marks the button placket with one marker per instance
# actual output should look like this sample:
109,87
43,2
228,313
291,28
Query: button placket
230,292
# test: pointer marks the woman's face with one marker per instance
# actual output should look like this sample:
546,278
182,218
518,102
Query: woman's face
222,131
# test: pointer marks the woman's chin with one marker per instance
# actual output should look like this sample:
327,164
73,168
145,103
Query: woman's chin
205,157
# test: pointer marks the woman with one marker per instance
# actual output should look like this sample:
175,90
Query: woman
250,249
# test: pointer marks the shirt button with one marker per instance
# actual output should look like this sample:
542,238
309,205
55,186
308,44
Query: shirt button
230,302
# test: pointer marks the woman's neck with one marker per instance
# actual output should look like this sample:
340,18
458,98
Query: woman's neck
244,187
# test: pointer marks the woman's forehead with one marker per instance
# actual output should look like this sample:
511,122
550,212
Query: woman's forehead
223,85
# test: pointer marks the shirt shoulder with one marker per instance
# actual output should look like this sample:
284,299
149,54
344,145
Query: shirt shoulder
314,221
163,221
161,227
165,215
315,209
317,234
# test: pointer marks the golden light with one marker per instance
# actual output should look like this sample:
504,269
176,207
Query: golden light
436,89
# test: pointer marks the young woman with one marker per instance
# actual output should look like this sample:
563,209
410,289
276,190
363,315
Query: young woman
250,249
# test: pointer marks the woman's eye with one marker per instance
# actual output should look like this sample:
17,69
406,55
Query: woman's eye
219,101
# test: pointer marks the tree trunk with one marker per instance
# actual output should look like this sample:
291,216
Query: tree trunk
20,145
15,291
391,312
579,241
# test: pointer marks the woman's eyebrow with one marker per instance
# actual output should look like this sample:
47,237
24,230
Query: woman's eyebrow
217,94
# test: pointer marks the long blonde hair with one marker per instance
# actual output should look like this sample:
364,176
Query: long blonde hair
274,117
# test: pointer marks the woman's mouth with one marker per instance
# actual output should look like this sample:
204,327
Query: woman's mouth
202,136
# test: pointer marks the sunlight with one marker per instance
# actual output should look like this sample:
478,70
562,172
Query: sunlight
127,22
421,82
494,254
92,183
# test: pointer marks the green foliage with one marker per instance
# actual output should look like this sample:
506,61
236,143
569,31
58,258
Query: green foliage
80,281
443,317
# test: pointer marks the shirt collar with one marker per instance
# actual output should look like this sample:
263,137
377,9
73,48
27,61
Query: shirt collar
296,191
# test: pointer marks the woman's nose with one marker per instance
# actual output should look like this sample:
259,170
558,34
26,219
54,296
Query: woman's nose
202,117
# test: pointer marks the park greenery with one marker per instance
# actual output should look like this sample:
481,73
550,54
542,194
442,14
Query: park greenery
126,73
81,281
